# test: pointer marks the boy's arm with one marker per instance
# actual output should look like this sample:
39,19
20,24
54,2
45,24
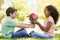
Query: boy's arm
22,25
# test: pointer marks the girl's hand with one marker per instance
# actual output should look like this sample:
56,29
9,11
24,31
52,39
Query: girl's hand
35,21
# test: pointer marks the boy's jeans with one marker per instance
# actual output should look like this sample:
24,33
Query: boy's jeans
20,33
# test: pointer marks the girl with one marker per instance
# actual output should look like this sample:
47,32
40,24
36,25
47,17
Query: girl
51,15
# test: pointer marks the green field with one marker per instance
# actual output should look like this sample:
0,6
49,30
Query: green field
57,37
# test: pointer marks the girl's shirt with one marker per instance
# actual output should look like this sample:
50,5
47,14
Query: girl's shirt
51,30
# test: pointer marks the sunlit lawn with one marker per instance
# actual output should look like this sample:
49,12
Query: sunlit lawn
57,37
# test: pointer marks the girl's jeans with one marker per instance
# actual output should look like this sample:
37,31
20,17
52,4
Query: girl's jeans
40,35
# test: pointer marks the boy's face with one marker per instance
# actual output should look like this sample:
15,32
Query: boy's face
13,15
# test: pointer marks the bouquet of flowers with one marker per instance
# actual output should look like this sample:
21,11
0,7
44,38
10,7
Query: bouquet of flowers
33,16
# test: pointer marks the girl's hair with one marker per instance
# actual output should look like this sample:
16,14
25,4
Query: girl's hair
54,12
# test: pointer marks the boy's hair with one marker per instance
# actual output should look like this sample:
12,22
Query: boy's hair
54,12
10,10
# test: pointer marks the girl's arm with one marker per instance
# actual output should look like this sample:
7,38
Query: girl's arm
42,27
45,28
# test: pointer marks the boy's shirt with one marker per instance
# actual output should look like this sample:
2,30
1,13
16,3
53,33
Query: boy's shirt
8,27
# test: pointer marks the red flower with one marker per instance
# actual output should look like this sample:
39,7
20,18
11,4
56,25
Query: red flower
33,16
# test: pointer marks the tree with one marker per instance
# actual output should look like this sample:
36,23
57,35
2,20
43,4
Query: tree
1,12
1,2
21,7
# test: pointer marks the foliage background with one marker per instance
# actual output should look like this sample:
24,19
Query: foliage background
24,9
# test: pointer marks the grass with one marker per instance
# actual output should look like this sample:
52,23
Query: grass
57,37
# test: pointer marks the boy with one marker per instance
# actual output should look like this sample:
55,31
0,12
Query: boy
9,24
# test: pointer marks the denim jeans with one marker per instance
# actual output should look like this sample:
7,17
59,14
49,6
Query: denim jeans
20,33
40,35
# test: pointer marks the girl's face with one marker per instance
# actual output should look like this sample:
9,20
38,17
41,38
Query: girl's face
46,12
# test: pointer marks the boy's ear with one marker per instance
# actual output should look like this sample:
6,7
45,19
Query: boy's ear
10,14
